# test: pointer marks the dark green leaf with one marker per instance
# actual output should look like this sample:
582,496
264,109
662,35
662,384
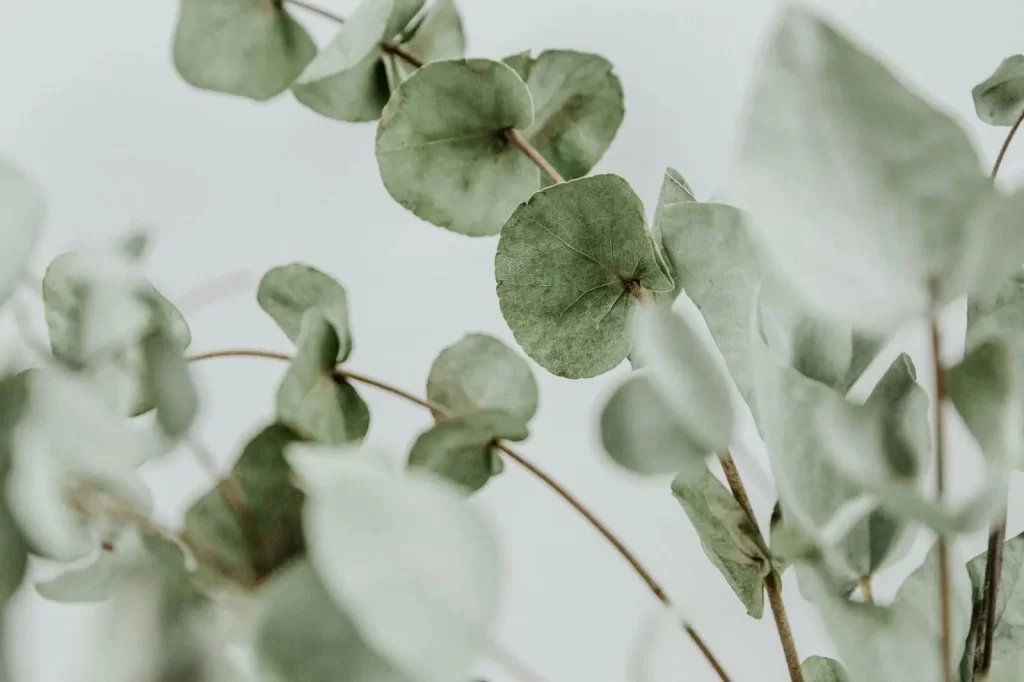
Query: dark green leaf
21,218
288,291
570,264
999,99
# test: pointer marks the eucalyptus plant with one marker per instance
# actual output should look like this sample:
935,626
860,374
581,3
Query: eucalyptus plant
854,209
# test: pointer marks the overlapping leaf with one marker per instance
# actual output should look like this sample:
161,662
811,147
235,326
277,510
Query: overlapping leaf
1008,634
287,292
437,35
999,99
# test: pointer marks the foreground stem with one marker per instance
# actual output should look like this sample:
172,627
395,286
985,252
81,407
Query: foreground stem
773,583
443,412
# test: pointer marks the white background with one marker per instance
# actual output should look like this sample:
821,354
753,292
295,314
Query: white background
90,104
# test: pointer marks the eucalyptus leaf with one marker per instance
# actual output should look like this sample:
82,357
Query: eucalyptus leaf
442,150
729,538
570,263
13,555
479,372
169,383
999,99
872,179
674,190
302,635
21,218
312,399
1008,635
287,292
439,35
409,561
985,388
251,48
822,669
1000,316
641,433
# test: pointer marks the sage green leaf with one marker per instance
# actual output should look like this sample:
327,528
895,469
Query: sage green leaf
521,62
641,433
674,190
899,642
288,291
479,372
1008,635
1000,315
442,150
985,388
729,538
247,544
438,35
571,262
847,171
684,372
999,99
822,669
21,218
302,635
356,95
13,555
578,107
422,587
460,449
251,48
170,384
312,399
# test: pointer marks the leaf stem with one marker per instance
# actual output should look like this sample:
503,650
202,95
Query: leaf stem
941,392
773,582
1006,144
444,413
513,135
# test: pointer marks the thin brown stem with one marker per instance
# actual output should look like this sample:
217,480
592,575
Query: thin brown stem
1006,144
444,413
399,50
773,583
865,589
941,392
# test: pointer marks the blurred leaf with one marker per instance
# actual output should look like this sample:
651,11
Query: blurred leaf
270,533
642,434
438,35
570,264
313,400
985,388
821,669
21,218
460,449
442,150
251,48
896,182
1008,635
302,635
347,80
479,372
1000,316
422,588
169,383
727,535
287,292
999,99
13,556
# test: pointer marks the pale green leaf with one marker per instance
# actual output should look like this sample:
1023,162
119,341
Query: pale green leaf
822,669
571,262
312,399
441,145
1008,635
169,384
410,561
302,635
288,291
640,432
846,171
356,95
728,536
985,388
438,35
21,218
13,555
686,375
479,372
251,48
1000,315
520,63
674,190
460,449
999,99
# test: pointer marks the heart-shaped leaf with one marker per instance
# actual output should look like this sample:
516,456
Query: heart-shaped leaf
571,262
21,217
442,150
288,291
999,99
251,48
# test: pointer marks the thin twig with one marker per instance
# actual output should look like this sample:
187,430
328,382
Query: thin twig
773,582
941,392
513,135
1006,144
444,413
865,589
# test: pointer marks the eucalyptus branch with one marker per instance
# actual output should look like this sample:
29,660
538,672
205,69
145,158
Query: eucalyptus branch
773,583
1006,143
443,412
514,136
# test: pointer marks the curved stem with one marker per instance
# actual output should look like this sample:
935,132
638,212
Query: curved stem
1006,144
513,136
444,413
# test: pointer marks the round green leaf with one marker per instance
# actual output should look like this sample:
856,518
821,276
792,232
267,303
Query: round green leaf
437,36
410,561
570,263
442,150
999,99
288,291
822,669
21,216
479,372
578,108
461,449
251,48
